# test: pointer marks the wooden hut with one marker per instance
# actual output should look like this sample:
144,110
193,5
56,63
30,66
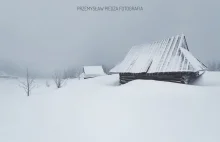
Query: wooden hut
92,71
166,60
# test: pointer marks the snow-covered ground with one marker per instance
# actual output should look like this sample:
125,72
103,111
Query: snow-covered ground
99,110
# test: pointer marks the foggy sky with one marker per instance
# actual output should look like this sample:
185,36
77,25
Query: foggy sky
49,34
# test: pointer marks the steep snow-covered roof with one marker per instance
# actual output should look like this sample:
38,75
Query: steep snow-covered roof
169,55
93,70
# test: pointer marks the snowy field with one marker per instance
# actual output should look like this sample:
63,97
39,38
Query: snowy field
99,110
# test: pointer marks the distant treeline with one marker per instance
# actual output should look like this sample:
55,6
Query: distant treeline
213,65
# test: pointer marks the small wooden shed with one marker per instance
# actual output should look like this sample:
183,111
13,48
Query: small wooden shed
92,71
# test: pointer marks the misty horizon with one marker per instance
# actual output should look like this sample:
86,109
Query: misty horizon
50,35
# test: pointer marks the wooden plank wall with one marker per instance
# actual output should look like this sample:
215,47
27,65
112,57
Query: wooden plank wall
179,77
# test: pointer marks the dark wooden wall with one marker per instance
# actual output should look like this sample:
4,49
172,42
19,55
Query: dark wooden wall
179,77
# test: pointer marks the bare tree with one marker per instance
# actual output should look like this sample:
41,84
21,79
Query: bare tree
58,79
69,73
65,74
47,83
28,84
78,73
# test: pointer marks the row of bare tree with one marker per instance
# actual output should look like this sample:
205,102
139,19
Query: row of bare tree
59,78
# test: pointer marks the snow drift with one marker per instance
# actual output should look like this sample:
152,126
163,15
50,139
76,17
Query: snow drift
98,110
208,79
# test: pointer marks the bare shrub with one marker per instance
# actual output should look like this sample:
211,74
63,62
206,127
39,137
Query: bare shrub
58,79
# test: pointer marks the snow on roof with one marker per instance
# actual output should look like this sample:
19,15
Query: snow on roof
93,70
169,55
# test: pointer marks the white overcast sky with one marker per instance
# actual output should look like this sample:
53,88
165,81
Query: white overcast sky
50,34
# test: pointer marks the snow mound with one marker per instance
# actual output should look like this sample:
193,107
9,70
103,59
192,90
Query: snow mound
98,110
208,79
